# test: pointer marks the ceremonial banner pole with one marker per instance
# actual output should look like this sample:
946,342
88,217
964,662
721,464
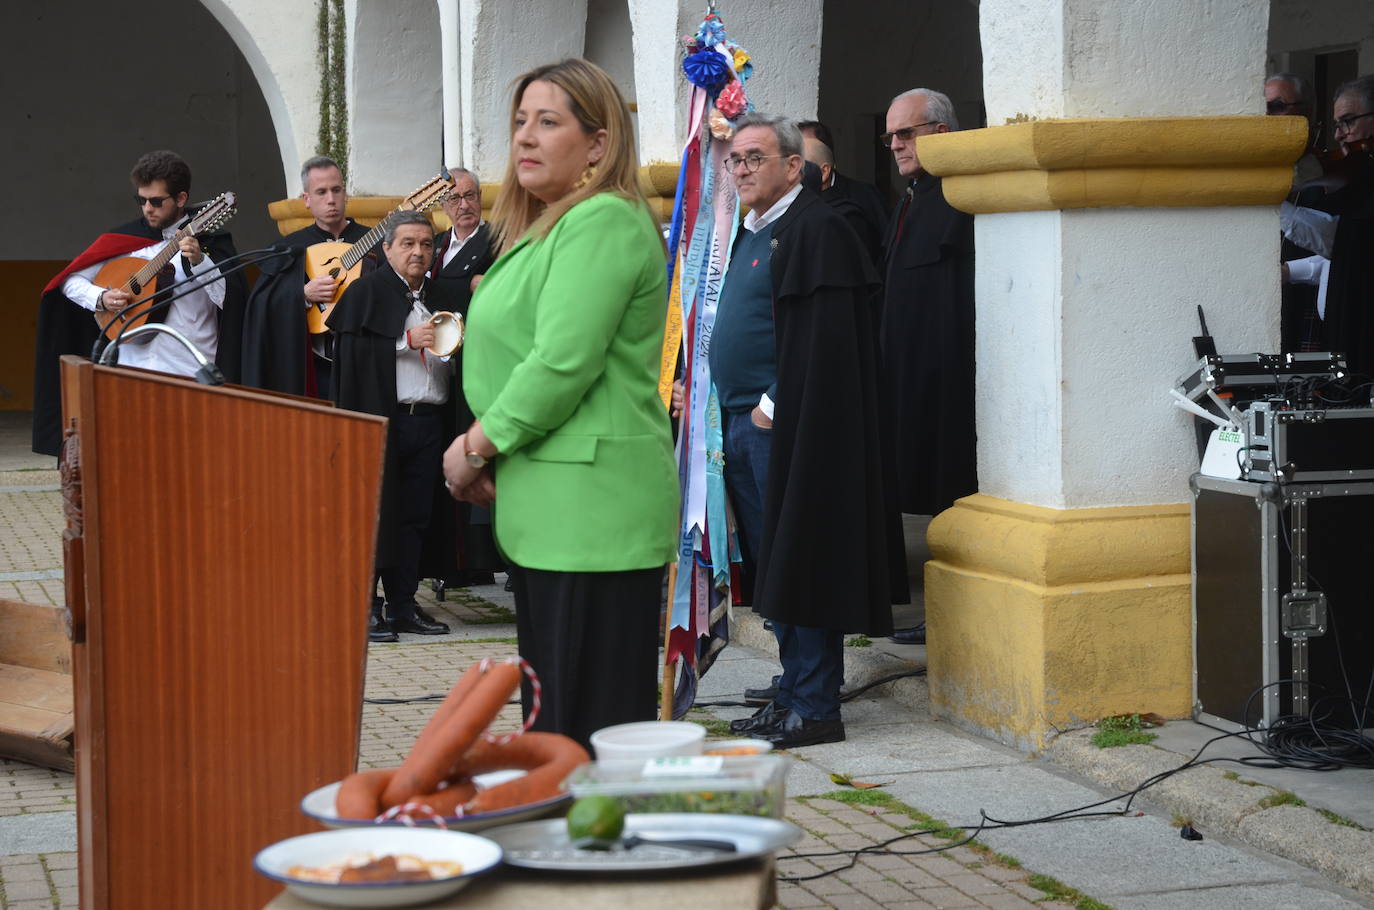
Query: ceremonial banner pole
705,217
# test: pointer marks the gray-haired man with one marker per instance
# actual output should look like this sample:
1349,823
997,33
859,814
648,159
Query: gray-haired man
927,323
381,366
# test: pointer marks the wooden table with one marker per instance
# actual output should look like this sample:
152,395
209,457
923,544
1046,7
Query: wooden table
739,886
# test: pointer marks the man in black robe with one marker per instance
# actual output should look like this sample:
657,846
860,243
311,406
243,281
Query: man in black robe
830,559
162,184
927,325
1348,323
861,203
278,351
382,366
462,253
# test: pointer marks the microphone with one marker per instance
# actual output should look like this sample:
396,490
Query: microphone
207,373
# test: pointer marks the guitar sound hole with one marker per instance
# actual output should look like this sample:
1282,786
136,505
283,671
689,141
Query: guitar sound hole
134,286
334,273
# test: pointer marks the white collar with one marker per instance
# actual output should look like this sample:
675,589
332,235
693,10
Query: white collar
413,294
453,233
754,222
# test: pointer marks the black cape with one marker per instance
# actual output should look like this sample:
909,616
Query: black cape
477,551
276,347
366,322
1349,323
862,206
832,555
927,348
65,327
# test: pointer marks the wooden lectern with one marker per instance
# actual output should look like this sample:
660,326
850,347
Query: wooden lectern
219,572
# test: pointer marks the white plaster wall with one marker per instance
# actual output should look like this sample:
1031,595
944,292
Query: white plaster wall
661,91
277,38
1085,320
501,39
395,110
73,131
1123,58
784,39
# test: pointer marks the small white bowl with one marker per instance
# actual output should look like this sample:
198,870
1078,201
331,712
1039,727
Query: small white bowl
476,854
727,746
648,739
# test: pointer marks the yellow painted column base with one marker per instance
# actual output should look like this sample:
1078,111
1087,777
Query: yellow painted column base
1040,619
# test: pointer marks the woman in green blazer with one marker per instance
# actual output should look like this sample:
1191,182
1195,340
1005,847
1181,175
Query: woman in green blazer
560,365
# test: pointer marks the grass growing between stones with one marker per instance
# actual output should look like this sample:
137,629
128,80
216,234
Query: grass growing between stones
1121,730
714,725
1341,820
1055,890
859,641
923,822
1281,798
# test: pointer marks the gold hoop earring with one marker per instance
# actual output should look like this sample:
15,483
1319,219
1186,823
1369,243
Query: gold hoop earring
588,175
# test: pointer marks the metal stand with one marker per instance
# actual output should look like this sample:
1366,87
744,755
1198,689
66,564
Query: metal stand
1302,613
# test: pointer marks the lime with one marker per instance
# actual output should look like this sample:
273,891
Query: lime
595,821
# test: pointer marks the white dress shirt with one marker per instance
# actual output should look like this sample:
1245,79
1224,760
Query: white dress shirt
455,246
195,314
421,377
753,223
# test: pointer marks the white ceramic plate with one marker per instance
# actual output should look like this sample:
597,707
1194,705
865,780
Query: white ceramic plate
319,805
544,844
476,854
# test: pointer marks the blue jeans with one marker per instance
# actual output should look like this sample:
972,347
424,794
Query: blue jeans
747,448
812,670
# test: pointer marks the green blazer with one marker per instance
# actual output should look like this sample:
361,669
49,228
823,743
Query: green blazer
560,363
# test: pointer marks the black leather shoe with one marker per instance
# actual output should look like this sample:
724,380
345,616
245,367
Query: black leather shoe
794,731
378,629
762,696
417,626
912,636
768,625
758,720
421,615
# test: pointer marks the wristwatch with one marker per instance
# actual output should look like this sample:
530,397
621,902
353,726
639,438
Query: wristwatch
476,460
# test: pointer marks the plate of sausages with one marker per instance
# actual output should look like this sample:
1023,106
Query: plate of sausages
321,805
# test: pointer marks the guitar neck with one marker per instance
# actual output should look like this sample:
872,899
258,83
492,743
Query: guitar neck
155,264
359,249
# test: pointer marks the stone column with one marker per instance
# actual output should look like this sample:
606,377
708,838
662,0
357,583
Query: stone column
1134,179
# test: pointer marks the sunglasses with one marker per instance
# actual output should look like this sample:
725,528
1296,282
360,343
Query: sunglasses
155,201
905,134
1278,105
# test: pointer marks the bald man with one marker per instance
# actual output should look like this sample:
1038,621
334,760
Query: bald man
864,221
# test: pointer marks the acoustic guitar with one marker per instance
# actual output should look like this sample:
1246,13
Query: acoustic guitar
344,261
139,276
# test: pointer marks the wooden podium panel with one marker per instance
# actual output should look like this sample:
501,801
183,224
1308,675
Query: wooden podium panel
219,570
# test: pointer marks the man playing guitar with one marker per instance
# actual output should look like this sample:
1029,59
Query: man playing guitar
162,183
275,338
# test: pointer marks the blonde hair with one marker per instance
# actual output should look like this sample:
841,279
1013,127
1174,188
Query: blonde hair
597,104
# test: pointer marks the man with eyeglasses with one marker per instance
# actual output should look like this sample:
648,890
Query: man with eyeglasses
66,319
794,361
927,324
1348,316
461,255
278,351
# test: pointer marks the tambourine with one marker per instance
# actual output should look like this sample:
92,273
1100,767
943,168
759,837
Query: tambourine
448,333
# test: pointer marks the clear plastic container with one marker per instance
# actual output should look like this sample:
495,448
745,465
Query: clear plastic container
736,785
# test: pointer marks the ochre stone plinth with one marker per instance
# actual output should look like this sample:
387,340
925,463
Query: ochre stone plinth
1043,618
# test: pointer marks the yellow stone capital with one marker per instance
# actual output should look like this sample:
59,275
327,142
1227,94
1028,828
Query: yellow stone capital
1043,165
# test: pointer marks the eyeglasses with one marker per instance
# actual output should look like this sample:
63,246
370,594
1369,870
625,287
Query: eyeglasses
751,162
1347,123
1278,105
155,201
906,134
469,197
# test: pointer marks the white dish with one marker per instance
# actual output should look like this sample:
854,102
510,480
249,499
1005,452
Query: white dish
319,805
648,739
476,854
544,844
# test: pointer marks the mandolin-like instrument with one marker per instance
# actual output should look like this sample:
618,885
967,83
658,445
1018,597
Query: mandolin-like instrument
139,276
344,261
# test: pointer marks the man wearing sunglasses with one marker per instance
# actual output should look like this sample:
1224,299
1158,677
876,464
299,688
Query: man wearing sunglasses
1288,94
794,361
927,323
66,322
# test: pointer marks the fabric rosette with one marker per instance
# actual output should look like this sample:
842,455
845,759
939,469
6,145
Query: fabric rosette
731,101
720,126
707,69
